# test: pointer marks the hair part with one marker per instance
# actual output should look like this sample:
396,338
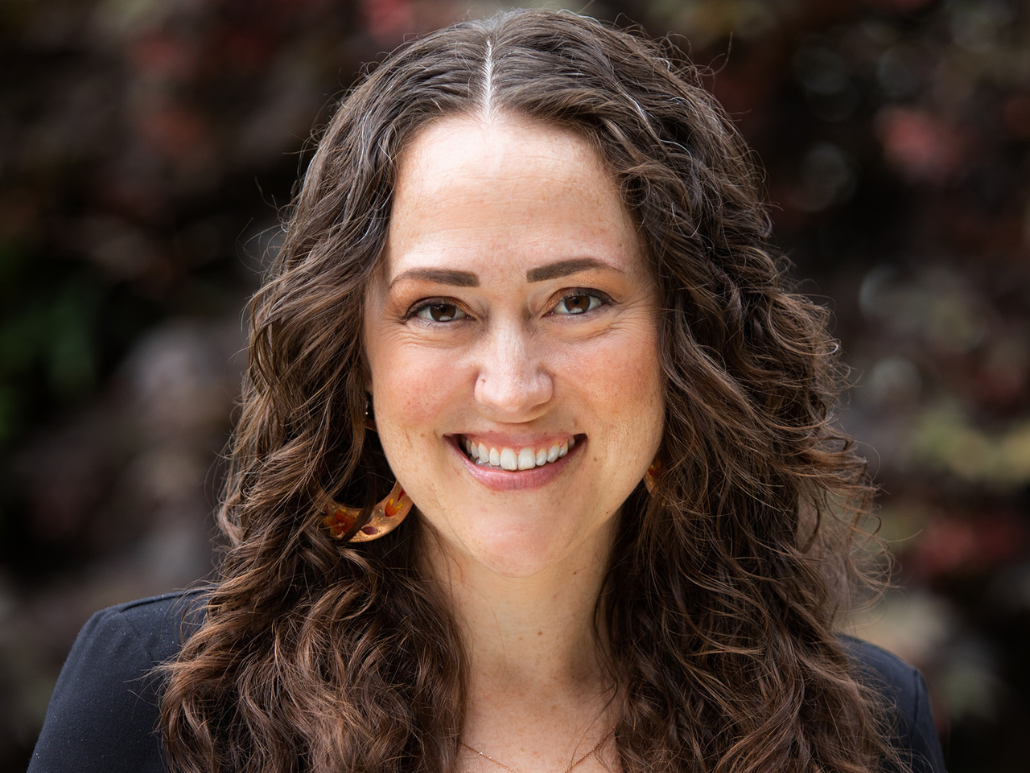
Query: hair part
720,600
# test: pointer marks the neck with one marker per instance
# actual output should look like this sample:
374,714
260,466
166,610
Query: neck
537,695
530,639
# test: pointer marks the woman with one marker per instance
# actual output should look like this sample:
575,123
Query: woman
525,287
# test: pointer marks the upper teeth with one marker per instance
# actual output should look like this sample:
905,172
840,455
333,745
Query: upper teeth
516,459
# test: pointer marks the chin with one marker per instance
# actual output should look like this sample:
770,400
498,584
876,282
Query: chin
525,550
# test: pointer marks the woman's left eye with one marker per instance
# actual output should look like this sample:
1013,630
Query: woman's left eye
578,303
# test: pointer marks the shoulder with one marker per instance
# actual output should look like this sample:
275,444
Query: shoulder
883,670
103,714
905,697
156,626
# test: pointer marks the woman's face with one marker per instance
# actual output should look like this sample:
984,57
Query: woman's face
515,317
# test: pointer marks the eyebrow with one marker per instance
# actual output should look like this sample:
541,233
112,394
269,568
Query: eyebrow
468,279
442,276
565,267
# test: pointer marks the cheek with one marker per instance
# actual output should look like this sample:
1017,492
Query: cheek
624,383
628,366
411,389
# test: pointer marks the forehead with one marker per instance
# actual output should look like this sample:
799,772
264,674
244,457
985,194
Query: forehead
497,146
471,187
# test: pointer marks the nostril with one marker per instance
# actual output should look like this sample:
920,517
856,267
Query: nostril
513,391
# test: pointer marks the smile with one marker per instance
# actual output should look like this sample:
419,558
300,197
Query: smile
500,457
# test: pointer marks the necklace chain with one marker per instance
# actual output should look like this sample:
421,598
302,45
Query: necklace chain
510,769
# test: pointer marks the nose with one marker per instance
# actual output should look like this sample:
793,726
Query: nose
513,381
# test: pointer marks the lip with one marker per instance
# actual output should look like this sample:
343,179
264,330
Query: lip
518,480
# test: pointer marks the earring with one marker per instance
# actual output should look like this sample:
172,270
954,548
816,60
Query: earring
654,472
386,516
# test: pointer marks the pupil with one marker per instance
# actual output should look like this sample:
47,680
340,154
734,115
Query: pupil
443,312
578,303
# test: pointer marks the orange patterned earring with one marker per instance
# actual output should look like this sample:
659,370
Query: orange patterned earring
654,472
386,515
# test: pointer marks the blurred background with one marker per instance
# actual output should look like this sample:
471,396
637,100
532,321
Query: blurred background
146,147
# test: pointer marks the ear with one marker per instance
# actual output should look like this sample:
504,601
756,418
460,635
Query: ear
370,417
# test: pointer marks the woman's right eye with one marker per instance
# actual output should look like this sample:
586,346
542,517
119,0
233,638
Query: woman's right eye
440,312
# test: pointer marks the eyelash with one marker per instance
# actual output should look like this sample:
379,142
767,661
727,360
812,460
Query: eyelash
601,298
597,300
424,306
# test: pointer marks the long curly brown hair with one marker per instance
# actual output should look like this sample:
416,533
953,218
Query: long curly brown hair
724,584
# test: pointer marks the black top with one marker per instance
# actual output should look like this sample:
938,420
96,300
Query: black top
103,716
